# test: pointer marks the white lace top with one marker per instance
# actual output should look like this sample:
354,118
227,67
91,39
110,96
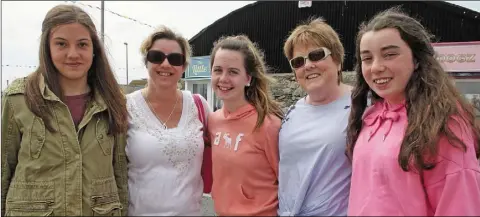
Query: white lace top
164,164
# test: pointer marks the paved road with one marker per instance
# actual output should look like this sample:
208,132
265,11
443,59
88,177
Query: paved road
207,206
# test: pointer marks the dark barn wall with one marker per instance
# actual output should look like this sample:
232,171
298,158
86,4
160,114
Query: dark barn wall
268,23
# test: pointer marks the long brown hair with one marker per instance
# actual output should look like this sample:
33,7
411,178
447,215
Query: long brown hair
100,75
257,93
431,98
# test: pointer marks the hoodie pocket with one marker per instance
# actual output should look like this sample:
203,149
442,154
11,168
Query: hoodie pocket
246,195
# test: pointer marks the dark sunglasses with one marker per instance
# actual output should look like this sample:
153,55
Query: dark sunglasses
313,56
157,57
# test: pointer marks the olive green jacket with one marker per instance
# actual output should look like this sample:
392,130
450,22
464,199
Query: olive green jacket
62,173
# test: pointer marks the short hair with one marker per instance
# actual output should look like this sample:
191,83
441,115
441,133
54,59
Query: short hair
315,31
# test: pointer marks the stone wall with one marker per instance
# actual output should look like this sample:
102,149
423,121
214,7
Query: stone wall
181,84
287,91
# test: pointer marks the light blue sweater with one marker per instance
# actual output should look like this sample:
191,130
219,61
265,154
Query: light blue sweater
314,172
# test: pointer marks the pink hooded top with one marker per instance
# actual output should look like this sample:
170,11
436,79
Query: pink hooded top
380,187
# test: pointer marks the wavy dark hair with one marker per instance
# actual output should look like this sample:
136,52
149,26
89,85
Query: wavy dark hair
100,75
258,92
431,97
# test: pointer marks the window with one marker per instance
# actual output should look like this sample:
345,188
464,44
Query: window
470,89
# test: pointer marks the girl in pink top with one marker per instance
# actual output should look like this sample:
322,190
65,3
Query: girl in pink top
414,151
244,132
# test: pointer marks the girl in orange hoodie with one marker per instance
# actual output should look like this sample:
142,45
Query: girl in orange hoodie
244,131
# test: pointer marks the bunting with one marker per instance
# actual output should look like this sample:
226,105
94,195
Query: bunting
115,13
34,67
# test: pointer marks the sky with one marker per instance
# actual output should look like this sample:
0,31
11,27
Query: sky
21,29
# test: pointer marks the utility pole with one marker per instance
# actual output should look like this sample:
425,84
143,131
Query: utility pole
126,57
102,20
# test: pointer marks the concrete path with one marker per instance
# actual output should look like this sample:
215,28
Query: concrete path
207,206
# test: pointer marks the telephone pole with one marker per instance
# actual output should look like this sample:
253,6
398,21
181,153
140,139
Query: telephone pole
126,57
102,7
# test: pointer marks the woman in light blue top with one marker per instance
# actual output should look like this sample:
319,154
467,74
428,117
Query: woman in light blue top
314,172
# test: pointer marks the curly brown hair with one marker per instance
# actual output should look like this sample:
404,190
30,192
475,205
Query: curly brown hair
431,97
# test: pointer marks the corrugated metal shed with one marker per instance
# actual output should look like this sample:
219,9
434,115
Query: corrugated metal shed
269,22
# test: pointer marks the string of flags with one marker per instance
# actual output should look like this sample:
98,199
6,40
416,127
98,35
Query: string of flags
112,12
34,67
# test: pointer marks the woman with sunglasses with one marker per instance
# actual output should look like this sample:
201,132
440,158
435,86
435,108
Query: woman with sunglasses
244,131
314,173
165,141
415,150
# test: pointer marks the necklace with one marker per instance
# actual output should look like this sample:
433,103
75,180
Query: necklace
164,124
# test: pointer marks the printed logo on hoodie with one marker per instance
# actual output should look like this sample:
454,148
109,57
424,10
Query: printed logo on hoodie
227,140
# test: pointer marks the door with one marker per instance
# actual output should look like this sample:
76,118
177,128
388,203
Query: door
217,103
202,87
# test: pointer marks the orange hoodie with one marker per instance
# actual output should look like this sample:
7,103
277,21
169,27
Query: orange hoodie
245,163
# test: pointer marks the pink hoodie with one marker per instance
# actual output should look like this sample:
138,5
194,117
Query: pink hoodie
380,187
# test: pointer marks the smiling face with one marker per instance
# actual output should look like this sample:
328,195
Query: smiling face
71,50
164,74
229,76
318,75
387,63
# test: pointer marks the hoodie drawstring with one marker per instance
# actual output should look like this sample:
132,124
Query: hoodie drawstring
377,120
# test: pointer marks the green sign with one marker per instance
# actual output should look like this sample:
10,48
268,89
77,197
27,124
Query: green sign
199,67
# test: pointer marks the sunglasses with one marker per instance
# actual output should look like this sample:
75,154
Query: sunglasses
313,56
157,57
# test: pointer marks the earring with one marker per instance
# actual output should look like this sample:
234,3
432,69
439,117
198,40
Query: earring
248,85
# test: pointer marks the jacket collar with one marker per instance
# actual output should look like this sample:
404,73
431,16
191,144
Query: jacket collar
48,94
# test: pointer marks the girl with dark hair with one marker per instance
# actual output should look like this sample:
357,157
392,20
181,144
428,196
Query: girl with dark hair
63,127
415,150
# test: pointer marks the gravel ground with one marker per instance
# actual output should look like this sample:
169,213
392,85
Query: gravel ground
207,206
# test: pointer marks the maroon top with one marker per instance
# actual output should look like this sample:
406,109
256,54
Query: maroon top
76,105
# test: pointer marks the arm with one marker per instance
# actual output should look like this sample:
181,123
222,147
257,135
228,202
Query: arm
120,170
458,194
271,145
11,138
454,187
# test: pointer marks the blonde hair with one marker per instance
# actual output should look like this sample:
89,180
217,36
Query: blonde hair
257,93
164,32
315,31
